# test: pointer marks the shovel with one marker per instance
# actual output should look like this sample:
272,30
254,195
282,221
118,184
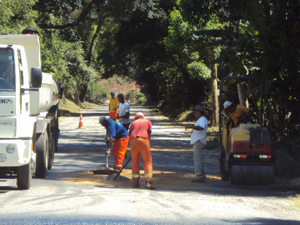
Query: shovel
116,175
106,170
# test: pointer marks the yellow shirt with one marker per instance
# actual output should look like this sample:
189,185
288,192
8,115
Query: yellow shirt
240,110
113,103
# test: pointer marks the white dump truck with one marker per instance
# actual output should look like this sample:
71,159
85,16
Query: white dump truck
28,111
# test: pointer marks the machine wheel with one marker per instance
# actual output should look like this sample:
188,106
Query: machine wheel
223,172
252,174
51,152
24,177
42,155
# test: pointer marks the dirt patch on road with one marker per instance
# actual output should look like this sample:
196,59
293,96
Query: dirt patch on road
161,179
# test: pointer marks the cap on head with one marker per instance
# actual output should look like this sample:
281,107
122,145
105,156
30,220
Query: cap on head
112,93
139,115
226,105
102,119
200,108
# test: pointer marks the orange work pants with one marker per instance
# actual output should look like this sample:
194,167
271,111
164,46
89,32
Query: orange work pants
141,146
119,150
112,115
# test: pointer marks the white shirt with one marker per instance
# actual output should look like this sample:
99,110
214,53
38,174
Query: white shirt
200,134
123,109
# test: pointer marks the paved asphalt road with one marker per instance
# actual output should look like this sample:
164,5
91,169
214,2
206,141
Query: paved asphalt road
55,201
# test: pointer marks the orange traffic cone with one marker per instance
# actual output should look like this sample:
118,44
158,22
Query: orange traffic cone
80,122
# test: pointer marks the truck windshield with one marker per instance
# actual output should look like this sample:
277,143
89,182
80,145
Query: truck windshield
7,73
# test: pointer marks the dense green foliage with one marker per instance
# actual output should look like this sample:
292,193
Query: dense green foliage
169,47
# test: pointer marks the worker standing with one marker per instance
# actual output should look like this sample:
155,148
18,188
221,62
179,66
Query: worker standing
124,111
119,135
198,140
139,137
113,106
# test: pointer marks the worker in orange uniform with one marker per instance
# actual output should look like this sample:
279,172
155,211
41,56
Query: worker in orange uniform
139,137
234,112
113,106
117,134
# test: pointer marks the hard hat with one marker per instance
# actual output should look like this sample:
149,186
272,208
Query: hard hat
226,105
139,115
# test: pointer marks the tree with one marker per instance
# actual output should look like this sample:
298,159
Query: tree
16,15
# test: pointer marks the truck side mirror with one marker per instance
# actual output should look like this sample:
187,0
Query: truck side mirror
36,77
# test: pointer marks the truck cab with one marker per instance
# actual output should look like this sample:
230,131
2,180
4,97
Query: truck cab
28,110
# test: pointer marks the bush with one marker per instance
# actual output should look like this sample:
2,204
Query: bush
141,101
133,95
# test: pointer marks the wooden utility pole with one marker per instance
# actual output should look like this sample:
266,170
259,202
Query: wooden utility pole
214,91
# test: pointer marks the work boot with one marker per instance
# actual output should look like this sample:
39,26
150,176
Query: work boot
149,185
199,180
136,186
116,170
136,182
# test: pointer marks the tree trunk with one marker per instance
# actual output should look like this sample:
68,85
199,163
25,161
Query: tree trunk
214,91
83,88
239,85
241,94
82,93
94,42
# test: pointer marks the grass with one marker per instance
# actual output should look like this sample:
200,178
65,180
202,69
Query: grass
212,137
67,106
295,202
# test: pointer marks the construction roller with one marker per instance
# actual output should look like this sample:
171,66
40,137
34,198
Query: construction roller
246,153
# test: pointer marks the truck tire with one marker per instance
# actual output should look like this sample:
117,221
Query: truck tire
51,152
42,155
55,129
55,135
223,172
24,177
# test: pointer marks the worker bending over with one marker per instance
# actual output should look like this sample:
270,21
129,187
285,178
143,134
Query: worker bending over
117,133
234,112
139,137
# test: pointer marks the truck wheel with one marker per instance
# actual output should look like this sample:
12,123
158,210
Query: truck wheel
55,130
51,152
42,154
24,177
223,172
55,135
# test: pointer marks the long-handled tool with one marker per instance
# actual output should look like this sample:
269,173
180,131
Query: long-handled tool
106,170
122,169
